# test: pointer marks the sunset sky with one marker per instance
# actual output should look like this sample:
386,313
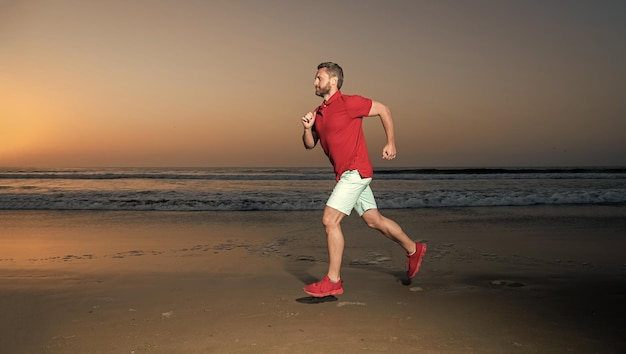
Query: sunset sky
224,83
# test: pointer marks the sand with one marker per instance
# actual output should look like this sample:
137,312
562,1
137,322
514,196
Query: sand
494,280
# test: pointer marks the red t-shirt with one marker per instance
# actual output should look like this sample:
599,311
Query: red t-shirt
338,123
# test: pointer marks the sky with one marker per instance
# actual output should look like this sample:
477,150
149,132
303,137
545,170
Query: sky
156,83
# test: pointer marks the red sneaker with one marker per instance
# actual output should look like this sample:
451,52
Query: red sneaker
325,287
414,261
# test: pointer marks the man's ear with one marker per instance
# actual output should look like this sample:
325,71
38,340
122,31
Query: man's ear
334,80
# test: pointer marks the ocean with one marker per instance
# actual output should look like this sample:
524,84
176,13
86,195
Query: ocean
291,189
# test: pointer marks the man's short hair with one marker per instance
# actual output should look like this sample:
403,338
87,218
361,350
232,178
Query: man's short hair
333,70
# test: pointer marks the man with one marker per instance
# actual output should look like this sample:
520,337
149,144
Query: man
337,125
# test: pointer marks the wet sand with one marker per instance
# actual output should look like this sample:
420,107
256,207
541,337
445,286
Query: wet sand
494,280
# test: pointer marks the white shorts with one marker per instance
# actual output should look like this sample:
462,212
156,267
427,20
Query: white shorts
352,192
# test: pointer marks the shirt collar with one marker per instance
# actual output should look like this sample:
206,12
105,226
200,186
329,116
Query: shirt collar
332,99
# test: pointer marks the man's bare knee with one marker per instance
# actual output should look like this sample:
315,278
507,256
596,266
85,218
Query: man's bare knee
332,217
373,219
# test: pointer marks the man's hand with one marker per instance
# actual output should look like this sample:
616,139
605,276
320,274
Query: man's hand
308,120
389,152
309,137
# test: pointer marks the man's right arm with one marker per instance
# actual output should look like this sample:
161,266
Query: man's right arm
309,137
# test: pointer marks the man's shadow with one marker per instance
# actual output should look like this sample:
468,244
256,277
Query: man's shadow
312,300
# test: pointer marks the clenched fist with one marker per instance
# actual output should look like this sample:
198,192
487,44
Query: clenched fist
308,120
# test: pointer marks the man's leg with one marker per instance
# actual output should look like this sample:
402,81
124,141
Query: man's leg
389,228
331,284
332,223
340,203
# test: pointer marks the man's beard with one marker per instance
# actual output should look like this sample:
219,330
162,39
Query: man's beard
322,91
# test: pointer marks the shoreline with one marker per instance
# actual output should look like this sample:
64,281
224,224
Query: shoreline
495,279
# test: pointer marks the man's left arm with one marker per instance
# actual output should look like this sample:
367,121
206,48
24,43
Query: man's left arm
381,110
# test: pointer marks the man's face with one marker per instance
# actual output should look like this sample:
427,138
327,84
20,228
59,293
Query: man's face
322,82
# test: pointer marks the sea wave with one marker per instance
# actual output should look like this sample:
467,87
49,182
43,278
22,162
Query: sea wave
292,201
277,174
241,189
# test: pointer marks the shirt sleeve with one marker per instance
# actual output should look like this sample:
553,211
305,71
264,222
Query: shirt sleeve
358,106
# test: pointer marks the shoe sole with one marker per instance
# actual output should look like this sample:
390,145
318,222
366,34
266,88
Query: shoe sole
419,261
332,292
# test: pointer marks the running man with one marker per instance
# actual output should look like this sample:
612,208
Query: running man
337,125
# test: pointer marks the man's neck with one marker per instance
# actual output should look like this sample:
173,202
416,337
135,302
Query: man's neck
330,94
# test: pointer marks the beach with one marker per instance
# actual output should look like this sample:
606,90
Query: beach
529,279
